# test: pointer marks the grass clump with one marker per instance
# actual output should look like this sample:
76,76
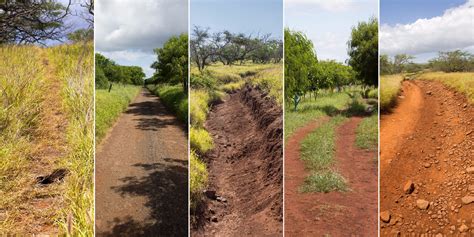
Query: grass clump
198,179
367,133
174,98
200,140
324,182
317,152
199,107
109,105
390,86
460,81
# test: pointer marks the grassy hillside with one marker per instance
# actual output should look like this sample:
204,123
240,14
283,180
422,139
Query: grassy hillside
460,81
33,80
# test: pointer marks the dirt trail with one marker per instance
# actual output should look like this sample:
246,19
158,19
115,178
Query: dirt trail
49,145
434,153
334,213
245,167
141,173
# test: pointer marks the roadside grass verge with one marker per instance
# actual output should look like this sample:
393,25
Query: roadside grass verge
317,152
74,65
326,103
390,86
174,98
367,133
109,106
460,81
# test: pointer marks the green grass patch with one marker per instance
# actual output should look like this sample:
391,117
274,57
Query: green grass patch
199,107
198,179
324,182
200,140
174,98
367,133
326,103
460,81
317,152
390,86
109,106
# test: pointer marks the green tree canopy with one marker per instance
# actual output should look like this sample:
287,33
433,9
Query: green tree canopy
363,51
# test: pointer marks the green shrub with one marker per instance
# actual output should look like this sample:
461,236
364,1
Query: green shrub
200,140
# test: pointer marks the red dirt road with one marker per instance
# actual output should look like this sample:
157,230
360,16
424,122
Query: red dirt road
434,151
141,173
335,213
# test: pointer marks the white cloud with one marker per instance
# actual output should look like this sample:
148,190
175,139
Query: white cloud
127,55
144,24
452,30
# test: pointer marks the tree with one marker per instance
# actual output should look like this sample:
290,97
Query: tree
172,63
400,62
201,50
363,52
386,66
32,21
299,58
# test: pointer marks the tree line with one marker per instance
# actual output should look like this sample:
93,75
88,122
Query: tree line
449,61
107,72
304,73
232,48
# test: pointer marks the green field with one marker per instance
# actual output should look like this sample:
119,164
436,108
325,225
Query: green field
109,106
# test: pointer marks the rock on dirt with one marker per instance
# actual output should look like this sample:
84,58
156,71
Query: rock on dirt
467,200
409,187
470,170
422,204
385,216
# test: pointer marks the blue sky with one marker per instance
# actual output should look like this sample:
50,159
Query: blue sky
328,23
239,16
422,28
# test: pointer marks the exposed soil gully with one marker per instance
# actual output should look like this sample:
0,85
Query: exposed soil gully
429,140
352,213
245,167
142,173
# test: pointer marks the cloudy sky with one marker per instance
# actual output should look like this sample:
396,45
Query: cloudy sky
424,27
239,16
127,31
328,23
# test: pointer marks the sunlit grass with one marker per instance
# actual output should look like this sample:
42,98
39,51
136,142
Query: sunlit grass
389,89
109,106
460,81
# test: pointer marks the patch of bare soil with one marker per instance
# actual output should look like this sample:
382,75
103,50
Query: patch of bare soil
142,173
352,213
427,181
245,167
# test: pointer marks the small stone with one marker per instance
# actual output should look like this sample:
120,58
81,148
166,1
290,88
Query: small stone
221,199
463,228
214,219
409,187
385,216
470,170
467,199
428,93
422,204
427,165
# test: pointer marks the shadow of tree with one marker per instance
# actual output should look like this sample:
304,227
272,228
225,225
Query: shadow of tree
166,188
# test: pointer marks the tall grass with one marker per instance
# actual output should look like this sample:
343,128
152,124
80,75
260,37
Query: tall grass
21,94
109,105
390,86
74,65
460,81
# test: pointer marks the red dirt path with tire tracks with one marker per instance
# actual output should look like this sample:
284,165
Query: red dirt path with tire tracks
434,152
334,213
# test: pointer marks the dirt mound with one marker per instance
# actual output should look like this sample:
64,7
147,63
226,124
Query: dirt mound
334,213
435,155
245,167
